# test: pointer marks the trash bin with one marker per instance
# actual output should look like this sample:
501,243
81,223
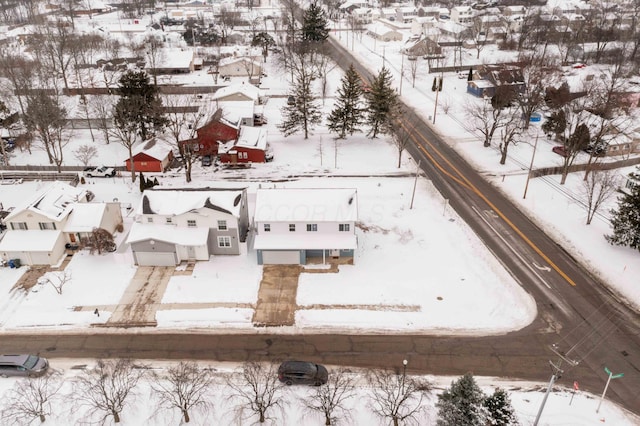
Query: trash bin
11,264
16,263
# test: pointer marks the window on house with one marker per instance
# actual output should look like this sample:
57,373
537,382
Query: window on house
47,225
19,225
224,241
222,225
267,227
149,219
191,223
312,227
169,221
343,227
292,227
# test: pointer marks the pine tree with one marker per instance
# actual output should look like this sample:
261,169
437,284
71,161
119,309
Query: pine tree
304,114
626,220
139,104
382,104
314,25
347,112
462,404
142,182
500,411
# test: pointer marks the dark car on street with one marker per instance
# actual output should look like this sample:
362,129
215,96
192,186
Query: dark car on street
302,373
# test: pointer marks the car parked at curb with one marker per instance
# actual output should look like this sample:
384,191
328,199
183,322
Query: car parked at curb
302,373
560,150
102,171
206,160
23,365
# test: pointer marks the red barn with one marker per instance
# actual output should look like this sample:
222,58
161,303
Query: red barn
216,130
251,147
150,156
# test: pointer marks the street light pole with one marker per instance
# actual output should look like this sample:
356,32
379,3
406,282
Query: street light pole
557,373
611,376
404,372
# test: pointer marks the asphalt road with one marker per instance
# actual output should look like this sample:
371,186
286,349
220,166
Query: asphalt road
577,314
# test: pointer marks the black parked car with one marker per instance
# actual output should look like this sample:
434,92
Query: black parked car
302,373
206,160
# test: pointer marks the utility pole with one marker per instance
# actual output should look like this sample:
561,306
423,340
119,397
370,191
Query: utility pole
402,74
415,182
526,186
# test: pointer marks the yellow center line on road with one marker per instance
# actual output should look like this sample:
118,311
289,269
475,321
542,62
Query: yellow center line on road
463,181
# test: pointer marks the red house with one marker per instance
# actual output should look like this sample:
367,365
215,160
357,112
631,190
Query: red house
216,130
150,156
251,147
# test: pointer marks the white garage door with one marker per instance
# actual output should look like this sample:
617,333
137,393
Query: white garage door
273,257
155,259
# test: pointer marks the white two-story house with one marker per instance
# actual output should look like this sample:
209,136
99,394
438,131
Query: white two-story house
299,226
175,225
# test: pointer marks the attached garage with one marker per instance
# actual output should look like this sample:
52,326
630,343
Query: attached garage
280,257
155,259
33,247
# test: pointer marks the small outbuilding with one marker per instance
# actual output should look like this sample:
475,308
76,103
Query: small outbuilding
150,156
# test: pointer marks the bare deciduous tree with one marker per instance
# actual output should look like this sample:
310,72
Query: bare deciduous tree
184,387
329,399
257,390
48,119
85,153
31,399
107,388
484,118
512,128
597,188
58,279
413,69
401,134
397,397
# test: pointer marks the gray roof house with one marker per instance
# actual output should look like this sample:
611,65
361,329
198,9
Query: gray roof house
176,225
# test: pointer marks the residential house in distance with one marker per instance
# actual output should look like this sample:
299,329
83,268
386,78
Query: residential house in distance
217,129
172,61
462,15
250,147
299,226
240,67
175,225
152,155
35,230
382,32
85,217
487,78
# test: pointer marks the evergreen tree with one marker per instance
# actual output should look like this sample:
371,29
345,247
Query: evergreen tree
626,220
556,123
347,112
500,411
142,182
304,113
462,404
580,138
382,104
314,24
139,105
470,76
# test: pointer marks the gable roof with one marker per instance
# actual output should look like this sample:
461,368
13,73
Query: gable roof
306,205
85,217
55,202
248,90
179,201
30,240
153,147
169,234
250,137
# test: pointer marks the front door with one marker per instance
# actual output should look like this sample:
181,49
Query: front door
191,252
334,253
72,237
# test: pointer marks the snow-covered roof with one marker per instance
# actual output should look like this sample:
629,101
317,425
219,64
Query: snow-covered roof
293,241
250,137
30,240
235,111
306,205
169,234
154,148
173,58
54,202
179,201
85,217
249,90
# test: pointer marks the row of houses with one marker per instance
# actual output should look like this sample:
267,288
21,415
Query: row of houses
289,226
